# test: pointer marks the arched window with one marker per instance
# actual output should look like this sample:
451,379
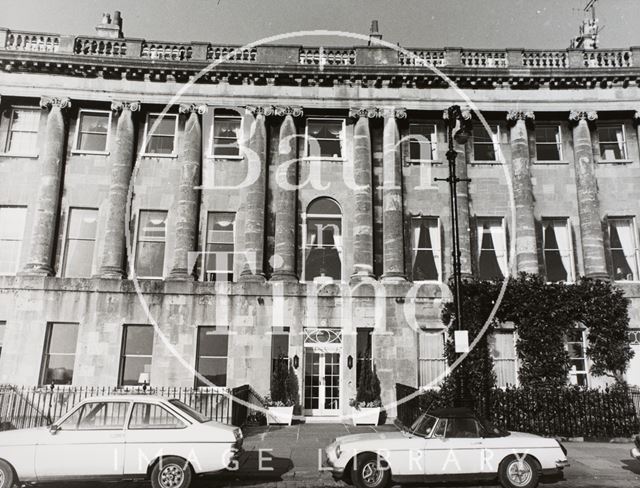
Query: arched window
322,245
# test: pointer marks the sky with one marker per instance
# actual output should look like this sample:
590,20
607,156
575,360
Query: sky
411,23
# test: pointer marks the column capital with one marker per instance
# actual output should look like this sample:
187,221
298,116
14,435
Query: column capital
377,112
578,115
514,115
293,110
50,102
264,110
189,108
118,106
636,118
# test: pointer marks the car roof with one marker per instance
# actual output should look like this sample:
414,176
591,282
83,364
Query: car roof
127,398
452,412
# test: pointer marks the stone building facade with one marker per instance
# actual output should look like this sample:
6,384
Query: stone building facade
282,202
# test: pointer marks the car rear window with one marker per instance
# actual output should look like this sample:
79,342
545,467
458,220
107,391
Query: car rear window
194,414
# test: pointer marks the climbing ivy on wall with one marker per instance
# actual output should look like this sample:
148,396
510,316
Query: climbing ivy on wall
542,314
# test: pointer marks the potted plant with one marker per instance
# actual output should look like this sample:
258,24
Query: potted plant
365,408
284,392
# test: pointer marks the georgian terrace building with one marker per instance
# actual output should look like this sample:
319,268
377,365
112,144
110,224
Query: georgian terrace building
324,260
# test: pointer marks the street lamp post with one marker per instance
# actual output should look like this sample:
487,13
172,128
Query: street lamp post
457,123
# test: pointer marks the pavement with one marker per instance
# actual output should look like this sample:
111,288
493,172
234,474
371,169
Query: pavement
290,458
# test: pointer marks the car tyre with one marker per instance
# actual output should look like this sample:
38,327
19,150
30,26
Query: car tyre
7,476
523,472
370,471
171,472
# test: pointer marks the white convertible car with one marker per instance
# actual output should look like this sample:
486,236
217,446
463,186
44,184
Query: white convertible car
120,437
445,445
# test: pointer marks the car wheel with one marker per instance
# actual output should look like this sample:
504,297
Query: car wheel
171,472
370,471
519,472
7,478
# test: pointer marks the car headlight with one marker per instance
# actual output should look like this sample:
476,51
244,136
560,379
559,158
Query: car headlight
338,451
237,433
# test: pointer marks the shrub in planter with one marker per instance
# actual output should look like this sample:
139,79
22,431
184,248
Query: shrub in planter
284,393
365,408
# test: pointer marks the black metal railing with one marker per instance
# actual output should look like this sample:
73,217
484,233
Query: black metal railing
244,414
23,407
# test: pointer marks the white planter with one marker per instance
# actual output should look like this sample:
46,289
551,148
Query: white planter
279,415
365,416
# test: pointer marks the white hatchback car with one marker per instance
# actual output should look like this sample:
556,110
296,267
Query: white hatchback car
120,437
445,445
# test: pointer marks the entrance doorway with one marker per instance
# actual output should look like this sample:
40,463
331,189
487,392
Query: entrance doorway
322,372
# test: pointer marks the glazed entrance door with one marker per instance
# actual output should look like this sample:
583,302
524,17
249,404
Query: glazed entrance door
321,382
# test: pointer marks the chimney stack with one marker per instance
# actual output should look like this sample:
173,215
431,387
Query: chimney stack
109,28
373,32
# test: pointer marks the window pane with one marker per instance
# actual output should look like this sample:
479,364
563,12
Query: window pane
139,340
212,342
25,120
484,152
323,262
12,222
82,223
153,224
22,142
547,152
94,122
611,150
160,145
150,259
92,142
325,129
166,125
103,416
59,369
279,345
422,141
132,367
79,258
71,423
63,338
462,427
323,206
557,251
324,138
214,370
9,256
148,416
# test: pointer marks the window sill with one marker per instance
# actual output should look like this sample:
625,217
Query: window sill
159,156
486,163
232,158
615,161
79,152
19,155
418,162
331,160
148,278
551,162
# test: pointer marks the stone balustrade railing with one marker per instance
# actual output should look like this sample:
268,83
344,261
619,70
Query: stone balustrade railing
186,52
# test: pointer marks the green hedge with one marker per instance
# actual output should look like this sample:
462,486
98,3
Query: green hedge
566,412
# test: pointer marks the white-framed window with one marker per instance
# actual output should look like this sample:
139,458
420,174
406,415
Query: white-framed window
80,242
426,264
324,138
483,145
322,240
219,246
492,248
557,250
212,355
12,222
160,141
92,131
623,245
577,349
225,135
136,355
502,344
423,142
19,132
150,243
59,354
279,347
432,363
364,350
612,142
548,142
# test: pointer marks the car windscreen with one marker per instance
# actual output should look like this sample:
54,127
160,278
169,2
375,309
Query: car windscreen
423,425
194,414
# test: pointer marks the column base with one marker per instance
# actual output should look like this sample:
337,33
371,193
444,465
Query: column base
466,276
36,270
179,274
599,275
393,277
110,273
361,277
252,278
284,276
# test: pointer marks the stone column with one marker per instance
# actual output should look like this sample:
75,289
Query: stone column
524,227
392,207
284,261
587,190
43,231
122,157
190,161
362,195
463,205
255,197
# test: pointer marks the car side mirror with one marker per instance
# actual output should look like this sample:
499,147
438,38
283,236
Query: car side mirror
53,429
